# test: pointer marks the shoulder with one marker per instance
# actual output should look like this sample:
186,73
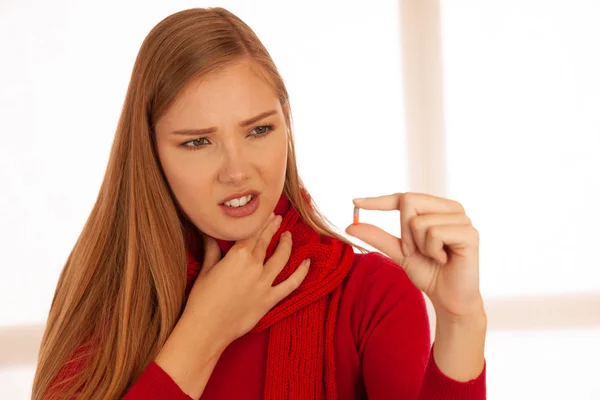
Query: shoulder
374,274
381,306
377,286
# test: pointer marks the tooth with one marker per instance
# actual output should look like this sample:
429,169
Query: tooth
242,201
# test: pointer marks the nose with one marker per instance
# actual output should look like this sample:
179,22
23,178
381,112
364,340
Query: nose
234,168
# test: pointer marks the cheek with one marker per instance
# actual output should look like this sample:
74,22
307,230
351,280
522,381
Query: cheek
184,182
276,162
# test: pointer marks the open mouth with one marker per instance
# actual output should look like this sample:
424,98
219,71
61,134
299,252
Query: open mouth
242,206
239,202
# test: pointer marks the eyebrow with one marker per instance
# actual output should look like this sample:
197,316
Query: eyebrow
205,131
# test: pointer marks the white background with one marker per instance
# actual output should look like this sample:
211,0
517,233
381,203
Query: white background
522,101
523,144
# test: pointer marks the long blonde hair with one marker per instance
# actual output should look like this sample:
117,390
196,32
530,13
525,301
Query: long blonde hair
122,287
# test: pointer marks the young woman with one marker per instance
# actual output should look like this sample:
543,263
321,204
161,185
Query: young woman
205,270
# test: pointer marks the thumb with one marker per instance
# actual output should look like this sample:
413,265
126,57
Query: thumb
379,239
212,254
418,268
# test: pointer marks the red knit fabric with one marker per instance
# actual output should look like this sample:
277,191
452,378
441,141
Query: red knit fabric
301,360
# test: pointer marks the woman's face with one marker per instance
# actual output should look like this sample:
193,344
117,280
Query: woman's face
225,136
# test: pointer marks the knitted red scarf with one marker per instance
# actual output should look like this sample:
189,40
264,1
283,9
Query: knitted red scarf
301,360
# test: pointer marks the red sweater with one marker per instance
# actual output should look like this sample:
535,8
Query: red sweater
382,348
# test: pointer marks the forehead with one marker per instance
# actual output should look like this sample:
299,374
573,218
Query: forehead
234,93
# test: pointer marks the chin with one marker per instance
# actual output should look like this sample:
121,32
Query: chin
234,237
239,230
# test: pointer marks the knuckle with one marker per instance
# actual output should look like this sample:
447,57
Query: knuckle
434,231
243,252
285,242
417,223
263,283
256,268
406,199
294,283
255,259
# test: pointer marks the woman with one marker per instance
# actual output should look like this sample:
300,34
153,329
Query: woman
191,277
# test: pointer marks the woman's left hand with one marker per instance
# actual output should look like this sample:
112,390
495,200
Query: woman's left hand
439,248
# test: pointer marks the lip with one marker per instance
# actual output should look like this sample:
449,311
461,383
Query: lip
242,211
239,194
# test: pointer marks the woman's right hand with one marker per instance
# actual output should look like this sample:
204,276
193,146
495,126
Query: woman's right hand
232,294
229,297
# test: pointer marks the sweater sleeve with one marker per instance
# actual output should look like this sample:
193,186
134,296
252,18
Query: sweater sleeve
153,384
394,339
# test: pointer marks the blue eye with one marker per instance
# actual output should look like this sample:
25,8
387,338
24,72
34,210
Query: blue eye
196,143
257,132
262,130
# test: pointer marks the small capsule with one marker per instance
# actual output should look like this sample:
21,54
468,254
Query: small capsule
355,220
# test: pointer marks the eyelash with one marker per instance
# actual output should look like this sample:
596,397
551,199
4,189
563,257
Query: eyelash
270,127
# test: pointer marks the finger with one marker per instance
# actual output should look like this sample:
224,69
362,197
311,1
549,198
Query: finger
380,239
410,205
281,291
263,241
418,270
420,224
384,203
212,254
279,258
458,239
424,203
393,202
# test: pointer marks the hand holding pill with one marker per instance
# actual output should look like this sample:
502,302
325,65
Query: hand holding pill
438,248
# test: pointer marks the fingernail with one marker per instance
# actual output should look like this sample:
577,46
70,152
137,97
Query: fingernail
278,220
306,263
358,199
